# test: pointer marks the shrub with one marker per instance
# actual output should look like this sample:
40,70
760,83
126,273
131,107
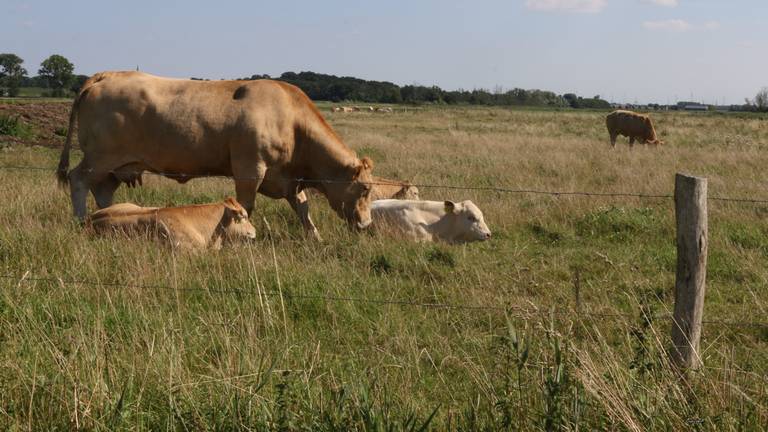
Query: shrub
12,126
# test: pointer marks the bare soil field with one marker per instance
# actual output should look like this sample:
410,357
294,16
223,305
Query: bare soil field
49,120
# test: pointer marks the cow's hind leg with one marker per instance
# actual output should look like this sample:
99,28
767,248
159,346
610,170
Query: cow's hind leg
78,189
300,205
104,190
631,142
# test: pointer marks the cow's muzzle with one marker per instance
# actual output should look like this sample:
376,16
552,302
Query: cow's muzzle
363,224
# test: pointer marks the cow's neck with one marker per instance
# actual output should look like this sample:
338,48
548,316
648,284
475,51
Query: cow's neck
441,228
321,153
324,157
208,219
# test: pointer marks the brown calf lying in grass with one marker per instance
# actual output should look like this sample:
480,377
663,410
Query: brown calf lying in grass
393,189
187,227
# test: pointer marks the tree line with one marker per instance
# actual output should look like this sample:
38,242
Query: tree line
336,89
56,73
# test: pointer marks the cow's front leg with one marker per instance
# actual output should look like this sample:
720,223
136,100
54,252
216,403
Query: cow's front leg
613,140
247,182
300,204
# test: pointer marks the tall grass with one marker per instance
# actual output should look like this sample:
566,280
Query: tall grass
151,338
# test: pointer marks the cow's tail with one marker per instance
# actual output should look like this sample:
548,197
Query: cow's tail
62,172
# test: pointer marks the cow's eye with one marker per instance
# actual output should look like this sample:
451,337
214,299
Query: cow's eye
472,218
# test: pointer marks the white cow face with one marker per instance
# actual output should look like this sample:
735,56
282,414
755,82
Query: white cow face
468,222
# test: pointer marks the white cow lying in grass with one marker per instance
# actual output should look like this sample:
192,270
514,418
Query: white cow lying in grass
431,220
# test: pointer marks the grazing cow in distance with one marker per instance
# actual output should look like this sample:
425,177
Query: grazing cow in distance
335,109
186,227
267,135
393,189
633,125
446,221
348,109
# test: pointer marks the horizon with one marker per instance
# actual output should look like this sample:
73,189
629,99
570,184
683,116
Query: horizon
666,50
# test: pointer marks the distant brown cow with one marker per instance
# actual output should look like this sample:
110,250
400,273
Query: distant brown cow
187,227
633,125
393,189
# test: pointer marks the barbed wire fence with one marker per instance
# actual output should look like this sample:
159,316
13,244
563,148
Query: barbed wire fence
307,181
519,312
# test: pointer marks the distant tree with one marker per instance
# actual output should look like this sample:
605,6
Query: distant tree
572,99
77,83
761,99
35,81
57,70
11,73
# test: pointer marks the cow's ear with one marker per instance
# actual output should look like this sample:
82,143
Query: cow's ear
366,163
231,203
450,206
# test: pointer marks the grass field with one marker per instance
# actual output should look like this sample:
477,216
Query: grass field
108,334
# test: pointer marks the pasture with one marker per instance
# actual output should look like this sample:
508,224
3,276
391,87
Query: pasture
559,320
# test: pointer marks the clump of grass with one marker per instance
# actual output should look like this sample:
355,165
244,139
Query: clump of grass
616,223
381,264
13,126
442,256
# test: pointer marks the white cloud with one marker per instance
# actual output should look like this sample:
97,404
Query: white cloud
585,6
673,25
667,3
679,25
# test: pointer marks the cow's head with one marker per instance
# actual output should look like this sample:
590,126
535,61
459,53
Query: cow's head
235,223
350,197
466,222
411,192
651,132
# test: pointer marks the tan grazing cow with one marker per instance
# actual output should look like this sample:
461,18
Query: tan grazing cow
265,134
633,125
348,109
393,189
187,227
446,221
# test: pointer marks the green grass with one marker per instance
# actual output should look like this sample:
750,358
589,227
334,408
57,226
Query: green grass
15,127
260,336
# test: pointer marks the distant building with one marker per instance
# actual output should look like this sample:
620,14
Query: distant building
695,107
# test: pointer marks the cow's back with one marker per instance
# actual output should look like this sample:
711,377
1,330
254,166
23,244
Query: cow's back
627,123
125,218
182,126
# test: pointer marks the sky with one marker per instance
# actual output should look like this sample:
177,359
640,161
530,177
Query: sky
713,51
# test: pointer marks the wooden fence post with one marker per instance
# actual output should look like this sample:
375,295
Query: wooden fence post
690,283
